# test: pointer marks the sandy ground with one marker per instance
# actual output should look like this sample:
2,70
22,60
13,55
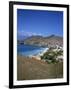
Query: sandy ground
32,69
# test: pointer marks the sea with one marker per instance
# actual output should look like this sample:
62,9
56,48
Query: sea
30,50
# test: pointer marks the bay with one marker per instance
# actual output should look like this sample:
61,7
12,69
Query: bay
30,50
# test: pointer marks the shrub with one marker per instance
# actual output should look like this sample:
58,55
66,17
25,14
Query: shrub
51,56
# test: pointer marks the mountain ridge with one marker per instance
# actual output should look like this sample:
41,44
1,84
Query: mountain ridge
50,41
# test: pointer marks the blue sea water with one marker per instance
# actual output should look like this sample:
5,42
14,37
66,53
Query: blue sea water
29,50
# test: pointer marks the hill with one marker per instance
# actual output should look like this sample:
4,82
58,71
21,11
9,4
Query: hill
50,41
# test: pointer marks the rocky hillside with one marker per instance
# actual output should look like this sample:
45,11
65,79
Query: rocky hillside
50,41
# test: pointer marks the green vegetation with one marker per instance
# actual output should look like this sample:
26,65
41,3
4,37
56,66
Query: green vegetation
51,55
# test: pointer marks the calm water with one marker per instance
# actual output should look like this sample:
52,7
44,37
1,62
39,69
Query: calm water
29,50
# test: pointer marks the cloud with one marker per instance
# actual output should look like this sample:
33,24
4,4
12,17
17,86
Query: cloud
23,33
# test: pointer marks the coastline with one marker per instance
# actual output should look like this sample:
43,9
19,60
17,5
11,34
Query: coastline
44,51
31,50
38,56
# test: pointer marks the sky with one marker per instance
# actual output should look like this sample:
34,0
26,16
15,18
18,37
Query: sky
39,22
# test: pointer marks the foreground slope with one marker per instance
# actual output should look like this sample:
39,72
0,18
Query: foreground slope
30,69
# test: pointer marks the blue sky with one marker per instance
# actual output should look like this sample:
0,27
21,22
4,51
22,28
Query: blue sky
39,22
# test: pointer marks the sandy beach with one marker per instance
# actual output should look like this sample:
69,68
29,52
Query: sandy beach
32,69
44,51
38,56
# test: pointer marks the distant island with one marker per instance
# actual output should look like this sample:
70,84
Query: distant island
50,41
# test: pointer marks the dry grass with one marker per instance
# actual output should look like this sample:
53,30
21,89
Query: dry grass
30,69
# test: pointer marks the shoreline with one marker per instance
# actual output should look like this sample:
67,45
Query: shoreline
38,57
44,51
37,52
